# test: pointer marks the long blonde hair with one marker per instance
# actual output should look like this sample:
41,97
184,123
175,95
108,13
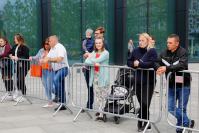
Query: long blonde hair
149,44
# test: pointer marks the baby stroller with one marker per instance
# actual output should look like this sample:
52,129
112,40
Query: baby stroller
120,100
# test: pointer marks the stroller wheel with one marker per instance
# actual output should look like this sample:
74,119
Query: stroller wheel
104,118
117,120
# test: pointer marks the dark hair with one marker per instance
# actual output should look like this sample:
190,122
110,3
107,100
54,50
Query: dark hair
20,38
177,38
101,29
45,42
103,46
5,39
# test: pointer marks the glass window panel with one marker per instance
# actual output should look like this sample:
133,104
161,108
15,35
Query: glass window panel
97,13
158,23
193,31
65,23
21,16
136,18
71,18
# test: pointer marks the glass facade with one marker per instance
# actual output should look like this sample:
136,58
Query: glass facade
21,16
151,16
66,24
158,22
97,13
136,19
70,19
193,29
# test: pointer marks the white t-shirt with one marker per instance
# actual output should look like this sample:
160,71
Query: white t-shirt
16,50
58,51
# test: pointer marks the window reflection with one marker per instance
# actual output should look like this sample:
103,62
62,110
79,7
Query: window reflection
193,31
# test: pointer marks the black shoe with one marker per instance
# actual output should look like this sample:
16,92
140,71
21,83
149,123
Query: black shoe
56,100
117,120
82,111
143,127
104,118
192,124
140,129
99,118
139,125
62,108
97,114
89,107
179,131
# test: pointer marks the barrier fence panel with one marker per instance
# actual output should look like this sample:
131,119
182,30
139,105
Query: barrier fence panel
118,91
25,80
5,75
183,101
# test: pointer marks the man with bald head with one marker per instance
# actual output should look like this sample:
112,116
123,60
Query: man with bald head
57,56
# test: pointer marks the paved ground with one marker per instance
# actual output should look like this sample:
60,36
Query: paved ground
33,118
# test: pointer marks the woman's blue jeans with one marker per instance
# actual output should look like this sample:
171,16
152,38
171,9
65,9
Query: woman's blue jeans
47,80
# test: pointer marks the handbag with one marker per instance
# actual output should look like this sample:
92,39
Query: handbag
35,70
45,66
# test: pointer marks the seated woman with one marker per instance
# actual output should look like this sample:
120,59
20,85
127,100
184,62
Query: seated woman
99,75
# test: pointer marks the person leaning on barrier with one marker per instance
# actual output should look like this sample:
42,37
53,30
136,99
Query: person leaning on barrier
143,56
18,53
87,47
47,74
174,59
99,75
57,56
6,67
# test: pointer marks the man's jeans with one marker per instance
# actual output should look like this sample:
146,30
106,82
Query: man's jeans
180,112
59,84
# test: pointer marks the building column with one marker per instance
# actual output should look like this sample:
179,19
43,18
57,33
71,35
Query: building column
182,22
45,18
120,48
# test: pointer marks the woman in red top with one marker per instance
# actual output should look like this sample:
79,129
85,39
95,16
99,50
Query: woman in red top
99,75
6,67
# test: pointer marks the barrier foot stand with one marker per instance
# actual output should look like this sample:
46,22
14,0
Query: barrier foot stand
20,98
155,127
69,110
60,108
79,114
184,130
27,99
6,95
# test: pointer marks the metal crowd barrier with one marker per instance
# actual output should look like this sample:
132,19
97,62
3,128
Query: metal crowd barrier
183,101
25,80
120,97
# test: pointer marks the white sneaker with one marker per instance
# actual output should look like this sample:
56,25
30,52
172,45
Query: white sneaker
7,96
19,99
48,105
